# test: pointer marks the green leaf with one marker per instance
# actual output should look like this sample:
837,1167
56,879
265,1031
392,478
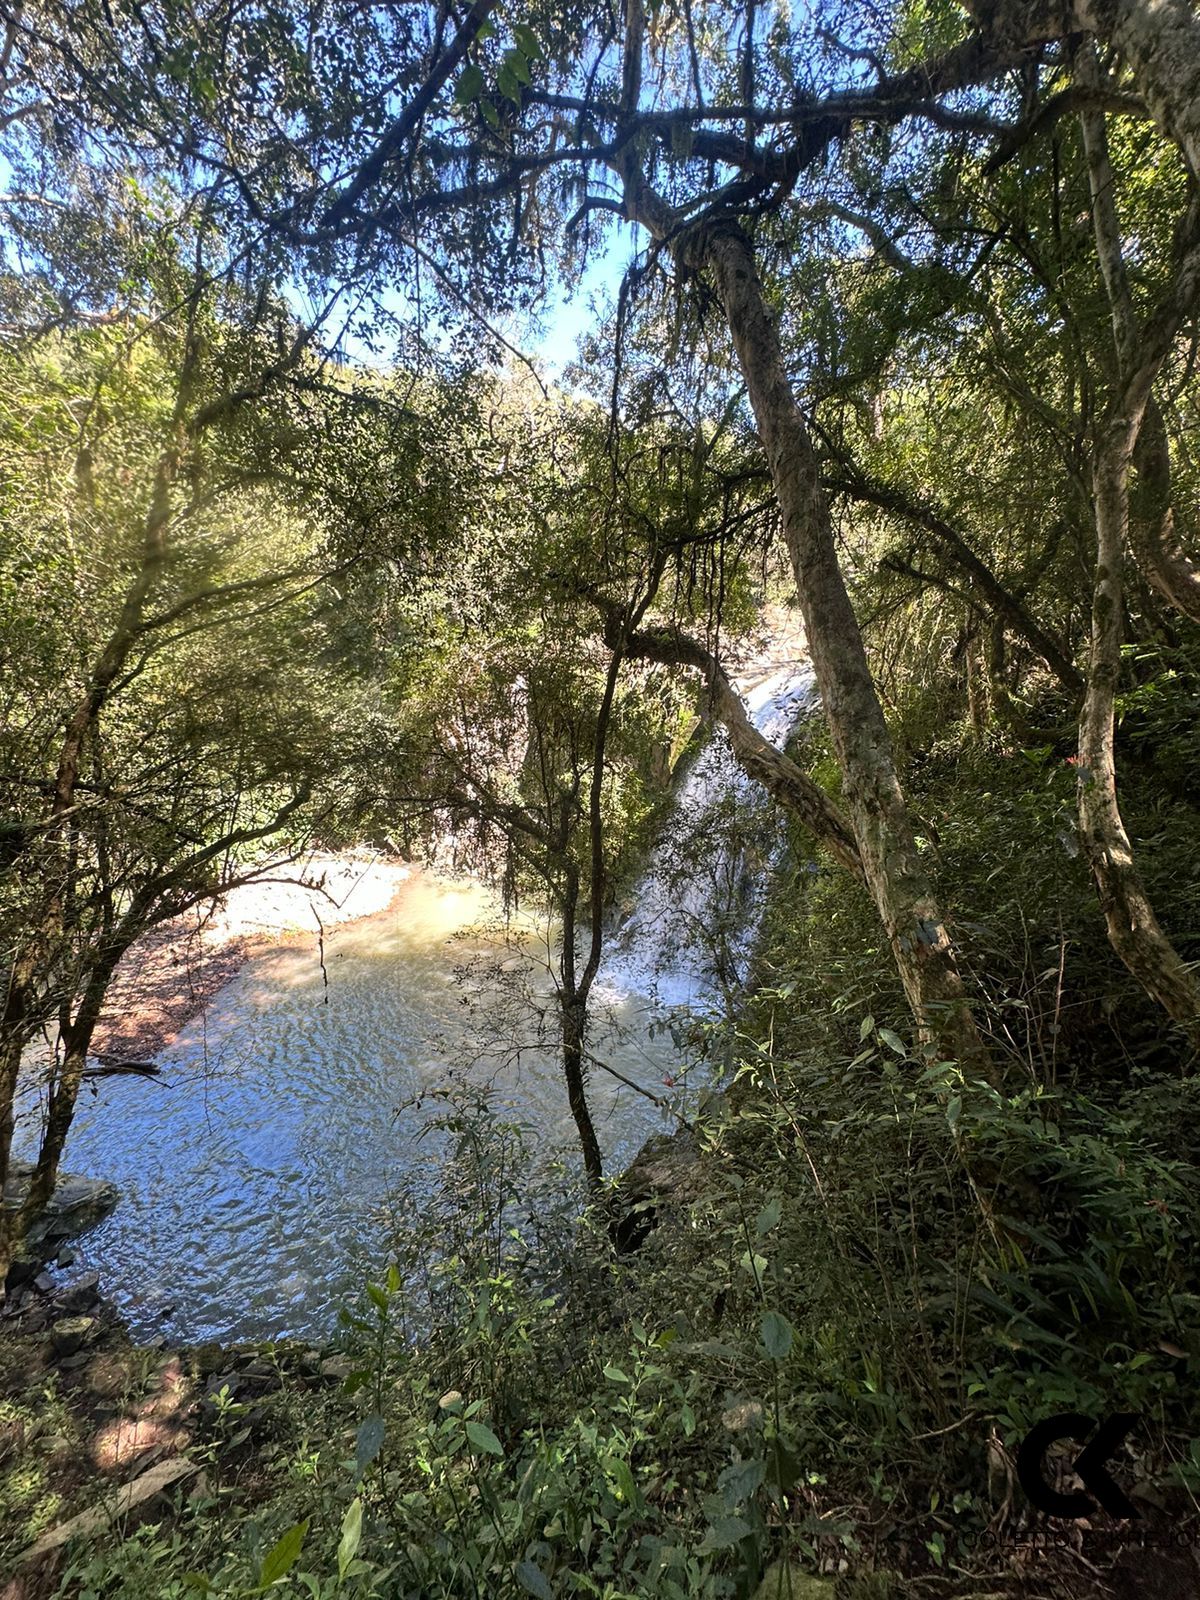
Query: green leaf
954,1110
517,65
369,1441
351,1534
533,1580
282,1558
754,1264
865,1028
724,1533
741,1481
776,1333
378,1296
621,1473
469,86
768,1217
528,41
489,113
615,1375
509,87
893,1041
482,1437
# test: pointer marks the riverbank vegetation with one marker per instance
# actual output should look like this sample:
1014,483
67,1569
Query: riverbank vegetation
312,534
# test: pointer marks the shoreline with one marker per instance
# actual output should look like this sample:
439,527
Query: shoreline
169,977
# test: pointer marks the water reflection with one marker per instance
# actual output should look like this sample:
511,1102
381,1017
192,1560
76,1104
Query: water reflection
257,1173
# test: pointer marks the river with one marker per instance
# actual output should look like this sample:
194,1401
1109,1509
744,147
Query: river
260,1174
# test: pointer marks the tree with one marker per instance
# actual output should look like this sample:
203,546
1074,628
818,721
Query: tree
460,153
161,729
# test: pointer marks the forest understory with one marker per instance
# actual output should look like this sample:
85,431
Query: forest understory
414,418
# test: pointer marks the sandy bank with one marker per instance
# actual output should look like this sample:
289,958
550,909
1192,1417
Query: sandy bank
168,977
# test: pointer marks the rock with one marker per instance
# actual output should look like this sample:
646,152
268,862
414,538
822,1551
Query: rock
43,1283
663,1174
72,1333
77,1204
337,1367
208,1358
81,1294
222,1380
147,1484
66,1256
787,1579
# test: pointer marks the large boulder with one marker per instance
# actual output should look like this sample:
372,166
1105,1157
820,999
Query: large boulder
76,1205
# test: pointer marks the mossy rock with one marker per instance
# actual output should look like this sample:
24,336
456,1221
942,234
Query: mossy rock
784,1580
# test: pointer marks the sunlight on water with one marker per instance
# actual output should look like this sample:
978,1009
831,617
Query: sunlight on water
261,1175
257,1174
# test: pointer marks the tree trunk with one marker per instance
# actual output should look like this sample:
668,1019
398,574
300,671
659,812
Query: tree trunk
1153,534
1159,39
574,1025
1133,928
1152,531
883,829
985,583
779,775
976,671
11,1048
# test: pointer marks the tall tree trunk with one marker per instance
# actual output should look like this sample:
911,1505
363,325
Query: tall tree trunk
1160,39
1153,533
976,673
12,1044
883,829
1133,928
1153,536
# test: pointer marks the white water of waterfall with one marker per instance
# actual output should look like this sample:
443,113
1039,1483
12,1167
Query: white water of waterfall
688,938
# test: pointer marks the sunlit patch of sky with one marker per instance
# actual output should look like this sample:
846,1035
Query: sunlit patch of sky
549,337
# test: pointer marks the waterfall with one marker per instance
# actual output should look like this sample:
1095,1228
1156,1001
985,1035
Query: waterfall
698,905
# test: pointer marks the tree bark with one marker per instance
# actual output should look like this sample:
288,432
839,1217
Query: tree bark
976,674
779,775
1159,39
1133,929
1001,601
574,1026
883,829
1152,532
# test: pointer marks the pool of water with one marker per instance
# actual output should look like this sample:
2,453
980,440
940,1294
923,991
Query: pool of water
259,1174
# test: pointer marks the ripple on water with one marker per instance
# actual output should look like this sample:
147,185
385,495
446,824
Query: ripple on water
258,1173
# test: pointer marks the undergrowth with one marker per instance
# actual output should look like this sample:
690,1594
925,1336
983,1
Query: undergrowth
877,1276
